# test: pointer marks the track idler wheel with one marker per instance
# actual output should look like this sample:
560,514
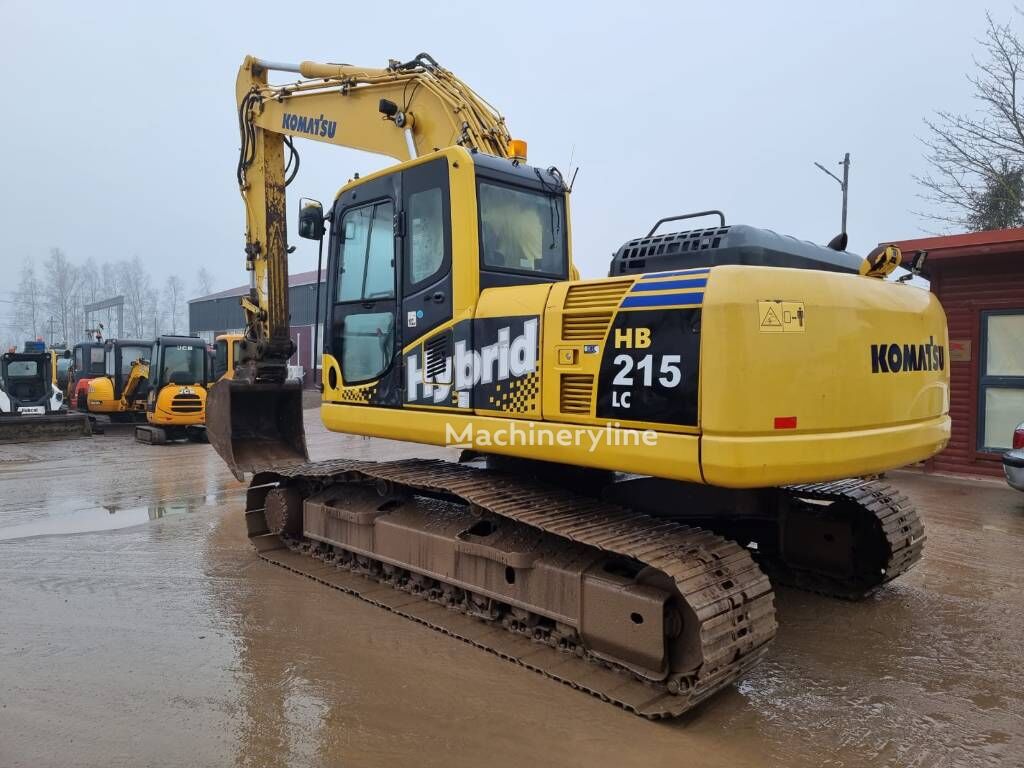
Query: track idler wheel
284,512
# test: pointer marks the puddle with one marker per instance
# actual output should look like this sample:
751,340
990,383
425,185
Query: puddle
97,519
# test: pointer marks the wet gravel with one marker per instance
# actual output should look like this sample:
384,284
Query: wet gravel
138,628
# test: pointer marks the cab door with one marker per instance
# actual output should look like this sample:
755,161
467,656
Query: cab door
362,292
113,364
426,281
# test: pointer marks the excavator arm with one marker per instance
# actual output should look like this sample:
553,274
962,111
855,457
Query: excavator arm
138,376
400,111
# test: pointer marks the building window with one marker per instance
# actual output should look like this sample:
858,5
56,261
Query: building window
1001,378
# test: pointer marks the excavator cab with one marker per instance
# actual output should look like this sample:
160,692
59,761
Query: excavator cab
227,349
405,268
89,363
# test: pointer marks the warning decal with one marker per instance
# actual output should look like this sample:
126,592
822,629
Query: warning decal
771,319
781,316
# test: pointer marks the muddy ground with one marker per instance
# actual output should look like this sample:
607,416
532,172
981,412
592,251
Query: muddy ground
138,628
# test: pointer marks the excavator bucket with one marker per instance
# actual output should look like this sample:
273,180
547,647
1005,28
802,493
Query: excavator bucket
256,426
20,429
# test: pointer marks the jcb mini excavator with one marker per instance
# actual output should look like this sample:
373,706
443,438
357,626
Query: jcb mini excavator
179,373
122,392
725,375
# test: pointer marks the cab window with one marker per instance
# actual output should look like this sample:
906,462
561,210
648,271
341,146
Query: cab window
97,358
426,234
522,230
220,358
183,364
366,275
23,368
367,263
129,355
368,341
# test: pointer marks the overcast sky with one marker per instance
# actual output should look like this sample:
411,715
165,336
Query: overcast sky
119,132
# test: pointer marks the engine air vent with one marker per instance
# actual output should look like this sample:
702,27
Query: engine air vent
589,308
437,352
576,393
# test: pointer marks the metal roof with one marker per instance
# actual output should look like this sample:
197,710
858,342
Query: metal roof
299,278
943,247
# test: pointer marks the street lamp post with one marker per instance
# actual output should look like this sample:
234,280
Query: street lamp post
844,183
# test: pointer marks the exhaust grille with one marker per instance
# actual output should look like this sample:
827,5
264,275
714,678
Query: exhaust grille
186,404
589,308
576,393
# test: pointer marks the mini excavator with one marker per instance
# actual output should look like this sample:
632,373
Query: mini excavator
642,450
122,391
178,371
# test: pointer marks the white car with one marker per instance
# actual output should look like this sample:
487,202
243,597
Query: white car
1013,460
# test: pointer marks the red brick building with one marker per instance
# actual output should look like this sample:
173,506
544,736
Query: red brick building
979,278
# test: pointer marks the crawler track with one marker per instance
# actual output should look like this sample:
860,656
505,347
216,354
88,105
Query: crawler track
886,537
21,429
844,538
724,601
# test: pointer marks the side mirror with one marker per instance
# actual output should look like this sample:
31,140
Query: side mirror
311,219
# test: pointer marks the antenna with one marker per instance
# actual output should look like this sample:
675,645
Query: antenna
572,172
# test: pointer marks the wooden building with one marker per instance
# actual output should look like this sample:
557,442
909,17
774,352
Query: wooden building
979,278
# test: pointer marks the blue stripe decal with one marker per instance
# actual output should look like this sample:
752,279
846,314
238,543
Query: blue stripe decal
695,271
670,285
668,300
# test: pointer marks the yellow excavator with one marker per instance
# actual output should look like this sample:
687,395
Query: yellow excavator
226,349
179,374
638,449
122,391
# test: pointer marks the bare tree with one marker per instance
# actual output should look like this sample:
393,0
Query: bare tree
91,283
61,294
28,304
174,294
977,160
156,314
139,306
109,280
204,282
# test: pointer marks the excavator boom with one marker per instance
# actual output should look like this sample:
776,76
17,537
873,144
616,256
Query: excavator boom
401,111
